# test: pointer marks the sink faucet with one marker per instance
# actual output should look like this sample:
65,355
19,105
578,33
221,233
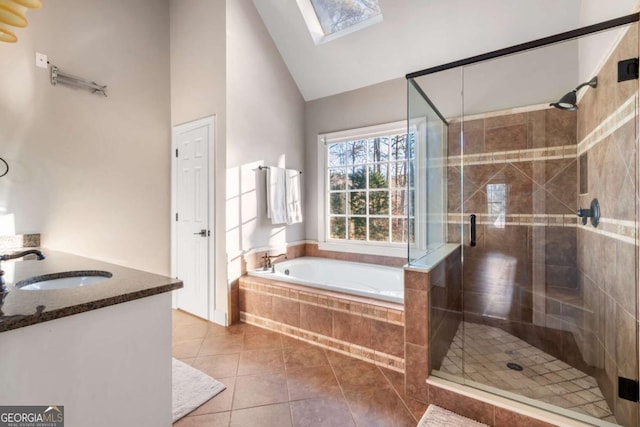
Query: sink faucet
15,255
268,263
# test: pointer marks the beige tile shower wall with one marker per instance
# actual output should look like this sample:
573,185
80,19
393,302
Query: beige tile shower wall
362,328
529,246
607,256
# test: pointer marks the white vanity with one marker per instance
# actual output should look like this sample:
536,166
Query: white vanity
102,350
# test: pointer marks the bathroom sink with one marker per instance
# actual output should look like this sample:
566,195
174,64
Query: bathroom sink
68,279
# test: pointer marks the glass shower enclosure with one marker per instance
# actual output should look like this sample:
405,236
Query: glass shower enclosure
543,202
427,177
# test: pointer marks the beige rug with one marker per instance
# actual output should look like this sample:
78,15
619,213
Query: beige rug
439,417
191,388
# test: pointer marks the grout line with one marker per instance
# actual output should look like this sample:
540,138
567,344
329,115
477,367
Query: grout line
344,396
398,394
609,125
286,379
515,156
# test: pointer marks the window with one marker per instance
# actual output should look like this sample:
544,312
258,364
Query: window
365,186
497,204
330,19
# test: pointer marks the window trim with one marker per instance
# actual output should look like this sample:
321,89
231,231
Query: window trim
363,247
316,31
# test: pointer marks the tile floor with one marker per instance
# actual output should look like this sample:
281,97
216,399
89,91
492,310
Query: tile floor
274,380
486,352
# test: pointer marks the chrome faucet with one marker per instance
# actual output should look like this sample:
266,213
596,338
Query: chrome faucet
268,263
15,255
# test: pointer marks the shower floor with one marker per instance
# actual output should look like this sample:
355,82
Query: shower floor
485,355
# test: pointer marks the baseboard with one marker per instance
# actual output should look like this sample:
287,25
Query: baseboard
220,318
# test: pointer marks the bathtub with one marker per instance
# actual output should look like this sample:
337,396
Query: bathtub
366,280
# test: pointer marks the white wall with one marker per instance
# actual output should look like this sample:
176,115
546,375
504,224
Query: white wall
198,89
595,48
224,63
381,103
90,173
265,127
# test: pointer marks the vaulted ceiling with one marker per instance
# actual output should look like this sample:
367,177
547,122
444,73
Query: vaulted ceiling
418,34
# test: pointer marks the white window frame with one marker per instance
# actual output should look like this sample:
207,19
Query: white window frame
316,31
363,247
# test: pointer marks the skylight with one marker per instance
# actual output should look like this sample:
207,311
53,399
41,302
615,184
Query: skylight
330,19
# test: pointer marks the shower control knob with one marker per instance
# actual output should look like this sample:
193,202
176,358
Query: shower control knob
593,212
584,214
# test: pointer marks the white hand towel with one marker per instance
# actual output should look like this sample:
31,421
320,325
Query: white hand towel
294,205
276,195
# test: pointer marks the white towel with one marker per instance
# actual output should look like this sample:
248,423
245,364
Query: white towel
294,206
276,195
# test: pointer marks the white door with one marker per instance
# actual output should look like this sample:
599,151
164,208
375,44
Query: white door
191,231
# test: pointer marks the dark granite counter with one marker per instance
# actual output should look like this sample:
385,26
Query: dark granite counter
19,308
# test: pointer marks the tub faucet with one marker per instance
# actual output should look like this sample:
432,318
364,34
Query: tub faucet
15,255
268,263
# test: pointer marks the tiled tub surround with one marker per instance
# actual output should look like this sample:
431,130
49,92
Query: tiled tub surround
433,304
363,328
19,308
354,278
252,261
607,256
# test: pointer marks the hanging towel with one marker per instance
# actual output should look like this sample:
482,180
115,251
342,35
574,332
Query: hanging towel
294,205
276,195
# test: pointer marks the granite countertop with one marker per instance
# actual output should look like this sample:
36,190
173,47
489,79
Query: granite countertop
19,308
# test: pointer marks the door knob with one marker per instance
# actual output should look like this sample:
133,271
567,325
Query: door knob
202,233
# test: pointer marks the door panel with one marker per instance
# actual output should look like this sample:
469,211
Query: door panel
192,228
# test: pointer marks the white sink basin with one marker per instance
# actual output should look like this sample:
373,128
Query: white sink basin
69,279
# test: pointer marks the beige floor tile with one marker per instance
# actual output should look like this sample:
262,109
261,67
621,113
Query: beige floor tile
487,350
263,416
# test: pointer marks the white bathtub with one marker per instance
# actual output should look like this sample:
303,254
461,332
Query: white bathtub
368,280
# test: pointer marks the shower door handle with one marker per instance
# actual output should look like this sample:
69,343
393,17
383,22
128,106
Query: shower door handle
472,223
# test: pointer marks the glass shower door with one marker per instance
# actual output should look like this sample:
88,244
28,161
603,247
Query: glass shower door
550,302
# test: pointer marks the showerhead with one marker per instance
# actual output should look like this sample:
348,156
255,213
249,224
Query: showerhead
569,101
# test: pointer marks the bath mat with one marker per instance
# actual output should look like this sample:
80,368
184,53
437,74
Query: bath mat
191,388
439,417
